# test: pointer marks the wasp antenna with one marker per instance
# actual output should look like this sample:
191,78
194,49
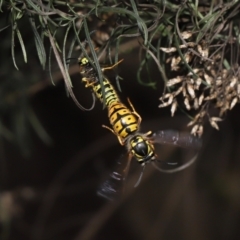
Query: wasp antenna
172,163
140,177
111,67
148,133
68,60
178,169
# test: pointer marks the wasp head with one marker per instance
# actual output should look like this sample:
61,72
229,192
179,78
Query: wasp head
142,149
83,61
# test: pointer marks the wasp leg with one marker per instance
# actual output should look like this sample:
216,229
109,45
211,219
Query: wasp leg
88,83
148,133
111,67
119,138
134,112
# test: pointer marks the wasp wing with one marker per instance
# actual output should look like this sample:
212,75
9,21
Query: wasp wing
179,139
176,138
113,186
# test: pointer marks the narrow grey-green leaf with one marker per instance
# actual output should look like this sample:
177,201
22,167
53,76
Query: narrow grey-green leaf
95,59
50,66
22,45
64,54
39,45
35,7
12,47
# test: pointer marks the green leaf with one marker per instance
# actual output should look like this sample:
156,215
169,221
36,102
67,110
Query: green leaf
39,44
22,45
12,47
64,53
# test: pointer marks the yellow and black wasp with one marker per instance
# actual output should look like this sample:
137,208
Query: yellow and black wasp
125,124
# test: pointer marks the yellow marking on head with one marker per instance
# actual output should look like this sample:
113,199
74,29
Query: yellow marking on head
84,61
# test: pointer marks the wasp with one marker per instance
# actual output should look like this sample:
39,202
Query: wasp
125,122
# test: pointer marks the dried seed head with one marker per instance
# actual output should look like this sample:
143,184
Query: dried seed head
233,103
191,91
195,105
184,91
173,108
209,67
167,95
195,70
170,100
212,71
188,57
224,73
191,80
219,82
200,130
168,50
208,79
186,34
169,60
178,91
202,113
222,111
217,56
200,100
210,97
233,81
194,129
228,88
204,52
174,63
199,48
174,81
198,82
191,123
183,46
213,124
186,102
165,104
216,119
197,130
238,90
191,44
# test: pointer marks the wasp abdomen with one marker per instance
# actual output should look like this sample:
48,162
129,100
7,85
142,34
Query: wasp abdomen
109,92
122,120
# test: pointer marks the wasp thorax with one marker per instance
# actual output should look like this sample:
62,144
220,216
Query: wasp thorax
142,149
